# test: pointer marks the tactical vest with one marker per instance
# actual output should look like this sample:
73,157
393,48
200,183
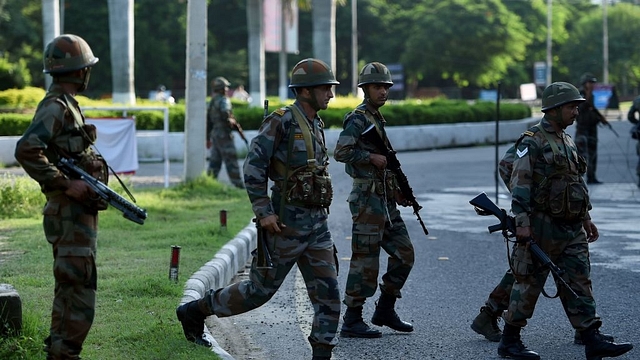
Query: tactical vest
307,185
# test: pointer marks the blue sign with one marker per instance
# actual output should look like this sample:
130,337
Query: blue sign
602,95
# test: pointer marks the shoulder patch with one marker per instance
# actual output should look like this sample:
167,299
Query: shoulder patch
359,111
280,111
528,133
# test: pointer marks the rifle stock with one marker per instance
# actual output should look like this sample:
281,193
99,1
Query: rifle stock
129,210
371,135
484,207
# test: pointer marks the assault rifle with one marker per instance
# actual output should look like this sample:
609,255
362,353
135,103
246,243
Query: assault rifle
241,133
263,257
371,135
129,210
484,207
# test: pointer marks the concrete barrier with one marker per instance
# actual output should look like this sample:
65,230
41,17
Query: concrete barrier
404,138
10,311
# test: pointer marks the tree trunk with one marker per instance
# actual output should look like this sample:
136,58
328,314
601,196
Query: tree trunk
122,56
256,52
324,31
50,27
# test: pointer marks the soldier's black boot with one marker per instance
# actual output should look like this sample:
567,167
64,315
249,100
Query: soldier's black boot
577,338
511,345
192,319
486,324
596,347
354,326
385,314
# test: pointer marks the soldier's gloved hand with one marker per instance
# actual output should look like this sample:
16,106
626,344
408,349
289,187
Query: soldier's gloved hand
79,190
271,224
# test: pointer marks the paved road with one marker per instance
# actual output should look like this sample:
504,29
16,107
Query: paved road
458,264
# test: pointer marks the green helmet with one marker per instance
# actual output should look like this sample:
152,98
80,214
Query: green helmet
312,72
558,94
67,53
374,73
587,77
220,83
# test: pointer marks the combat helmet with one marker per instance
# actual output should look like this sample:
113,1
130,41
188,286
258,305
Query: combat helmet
312,72
587,77
374,73
558,94
67,53
220,83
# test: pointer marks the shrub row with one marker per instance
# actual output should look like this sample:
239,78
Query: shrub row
19,106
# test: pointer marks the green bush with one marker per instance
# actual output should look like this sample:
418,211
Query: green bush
397,113
20,197
13,75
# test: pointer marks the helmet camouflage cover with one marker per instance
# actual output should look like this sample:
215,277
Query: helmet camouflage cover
558,94
220,83
67,53
375,73
312,72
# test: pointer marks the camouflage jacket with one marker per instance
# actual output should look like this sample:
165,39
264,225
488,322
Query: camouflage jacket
354,151
535,161
269,154
218,116
57,129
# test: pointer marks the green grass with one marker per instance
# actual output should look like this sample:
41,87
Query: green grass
136,301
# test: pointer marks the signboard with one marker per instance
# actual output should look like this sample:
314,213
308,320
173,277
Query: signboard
605,97
397,91
540,73
272,22
528,92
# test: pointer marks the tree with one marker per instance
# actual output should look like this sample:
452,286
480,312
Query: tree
486,40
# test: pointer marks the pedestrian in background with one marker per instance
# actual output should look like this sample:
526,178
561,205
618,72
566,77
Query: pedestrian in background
587,127
551,205
635,131
377,223
71,212
290,150
220,126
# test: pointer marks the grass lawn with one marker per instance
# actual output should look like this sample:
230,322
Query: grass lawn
136,301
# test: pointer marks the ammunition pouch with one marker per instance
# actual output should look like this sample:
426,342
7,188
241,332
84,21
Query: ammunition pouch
563,197
309,188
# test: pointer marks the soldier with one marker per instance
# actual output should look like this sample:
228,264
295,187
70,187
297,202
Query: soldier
547,168
376,220
635,131
587,127
220,126
71,211
290,150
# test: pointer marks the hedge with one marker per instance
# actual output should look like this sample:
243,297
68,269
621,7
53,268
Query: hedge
17,108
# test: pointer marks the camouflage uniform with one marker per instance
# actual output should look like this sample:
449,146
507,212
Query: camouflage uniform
376,219
305,241
564,240
631,116
221,136
58,129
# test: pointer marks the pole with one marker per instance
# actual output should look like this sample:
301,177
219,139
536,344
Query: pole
497,155
354,47
605,43
282,89
549,36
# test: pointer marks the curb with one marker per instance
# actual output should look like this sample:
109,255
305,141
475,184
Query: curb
219,271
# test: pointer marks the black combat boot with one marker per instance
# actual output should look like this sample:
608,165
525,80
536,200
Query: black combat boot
321,358
486,324
192,319
511,345
354,325
385,315
577,338
596,347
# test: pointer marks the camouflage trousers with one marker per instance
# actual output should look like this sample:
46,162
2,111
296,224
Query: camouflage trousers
587,145
305,241
71,230
498,300
224,151
376,224
567,247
